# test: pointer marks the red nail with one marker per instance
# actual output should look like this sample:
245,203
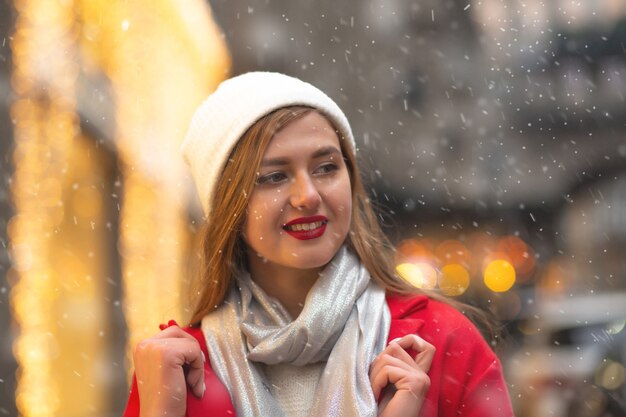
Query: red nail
162,326
172,323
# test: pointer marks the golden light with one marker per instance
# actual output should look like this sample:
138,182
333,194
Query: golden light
521,255
453,252
412,250
159,58
43,80
162,57
494,256
87,202
454,280
420,275
499,275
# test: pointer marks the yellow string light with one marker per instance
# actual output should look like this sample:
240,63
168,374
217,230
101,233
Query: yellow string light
162,58
43,80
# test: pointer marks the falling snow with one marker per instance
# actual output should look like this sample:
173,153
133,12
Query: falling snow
479,124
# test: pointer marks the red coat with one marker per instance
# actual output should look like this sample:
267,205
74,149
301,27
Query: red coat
466,377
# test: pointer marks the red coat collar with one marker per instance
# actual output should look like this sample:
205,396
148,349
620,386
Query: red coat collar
403,309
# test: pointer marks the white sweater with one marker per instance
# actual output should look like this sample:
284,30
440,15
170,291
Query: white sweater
294,386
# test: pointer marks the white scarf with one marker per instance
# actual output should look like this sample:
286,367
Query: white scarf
345,322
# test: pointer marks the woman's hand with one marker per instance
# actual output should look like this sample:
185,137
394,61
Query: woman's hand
164,365
395,367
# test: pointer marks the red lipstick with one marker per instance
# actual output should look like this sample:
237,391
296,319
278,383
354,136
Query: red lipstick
306,228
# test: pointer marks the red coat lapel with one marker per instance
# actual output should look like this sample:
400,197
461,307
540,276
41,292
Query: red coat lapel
403,310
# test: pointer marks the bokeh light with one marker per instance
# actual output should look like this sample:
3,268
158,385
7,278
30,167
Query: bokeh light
87,202
454,280
453,252
412,250
522,257
495,255
499,275
66,183
420,275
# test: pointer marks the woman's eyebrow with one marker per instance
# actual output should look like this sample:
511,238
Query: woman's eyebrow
324,151
274,161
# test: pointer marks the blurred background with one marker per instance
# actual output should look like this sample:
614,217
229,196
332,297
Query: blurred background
492,135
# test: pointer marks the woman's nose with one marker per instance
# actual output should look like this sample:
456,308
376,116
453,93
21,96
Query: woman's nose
304,193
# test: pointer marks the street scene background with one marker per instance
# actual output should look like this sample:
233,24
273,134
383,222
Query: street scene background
491,135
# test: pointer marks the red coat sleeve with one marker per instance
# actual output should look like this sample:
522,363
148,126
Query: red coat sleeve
466,375
476,376
216,401
132,406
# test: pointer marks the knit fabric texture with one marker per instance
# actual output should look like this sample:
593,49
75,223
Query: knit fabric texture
294,386
221,120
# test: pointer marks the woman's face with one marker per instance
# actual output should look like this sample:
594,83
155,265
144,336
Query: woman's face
299,211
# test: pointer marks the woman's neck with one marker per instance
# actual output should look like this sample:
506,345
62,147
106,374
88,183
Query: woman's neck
289,286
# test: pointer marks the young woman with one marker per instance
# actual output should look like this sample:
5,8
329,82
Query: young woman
299,310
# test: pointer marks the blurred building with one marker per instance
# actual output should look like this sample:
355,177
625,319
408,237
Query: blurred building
493,132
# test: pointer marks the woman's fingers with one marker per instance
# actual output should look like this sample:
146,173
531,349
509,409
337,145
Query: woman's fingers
380,377
395,366
177,353
188,354
414,381
398,349
392,355
425,351
195,373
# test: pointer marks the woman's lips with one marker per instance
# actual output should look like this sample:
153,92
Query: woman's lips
306,228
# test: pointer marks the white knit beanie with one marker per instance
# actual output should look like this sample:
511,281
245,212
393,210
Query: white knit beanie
233,108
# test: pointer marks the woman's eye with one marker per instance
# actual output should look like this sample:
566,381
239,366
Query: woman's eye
273,178
326,168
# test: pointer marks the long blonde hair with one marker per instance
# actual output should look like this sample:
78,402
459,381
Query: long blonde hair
222,247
